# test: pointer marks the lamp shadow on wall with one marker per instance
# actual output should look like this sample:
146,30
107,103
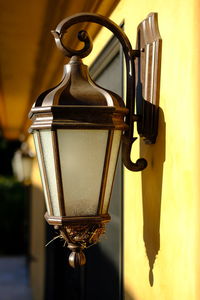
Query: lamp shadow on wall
128,296
152,178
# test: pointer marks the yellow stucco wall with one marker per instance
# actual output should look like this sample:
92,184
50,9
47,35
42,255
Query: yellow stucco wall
161,246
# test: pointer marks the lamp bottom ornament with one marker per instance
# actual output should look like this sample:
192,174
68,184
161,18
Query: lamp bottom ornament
77,257
79,237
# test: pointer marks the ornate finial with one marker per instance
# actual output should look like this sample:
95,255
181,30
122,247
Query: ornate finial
76,257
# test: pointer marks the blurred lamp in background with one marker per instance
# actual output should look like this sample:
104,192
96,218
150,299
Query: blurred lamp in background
77,128
22,163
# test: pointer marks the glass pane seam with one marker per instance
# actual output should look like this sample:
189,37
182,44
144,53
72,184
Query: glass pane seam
45,174
105,170
59,182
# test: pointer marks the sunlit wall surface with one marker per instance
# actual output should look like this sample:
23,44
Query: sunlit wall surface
161,245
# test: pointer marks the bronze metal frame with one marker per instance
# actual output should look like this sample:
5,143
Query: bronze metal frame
52,220
130,56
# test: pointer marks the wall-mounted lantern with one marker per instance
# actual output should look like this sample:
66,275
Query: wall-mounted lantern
77,128
22,163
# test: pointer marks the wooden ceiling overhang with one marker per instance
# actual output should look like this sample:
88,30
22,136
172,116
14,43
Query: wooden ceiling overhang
29,60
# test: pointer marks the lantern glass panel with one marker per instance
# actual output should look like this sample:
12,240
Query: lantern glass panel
39,157
49,162
82,156
111,168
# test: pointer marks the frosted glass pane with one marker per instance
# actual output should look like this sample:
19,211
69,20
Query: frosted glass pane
111,169
47,147
35,135
82,153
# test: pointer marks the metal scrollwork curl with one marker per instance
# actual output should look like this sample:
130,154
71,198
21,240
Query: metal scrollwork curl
129,54
83,36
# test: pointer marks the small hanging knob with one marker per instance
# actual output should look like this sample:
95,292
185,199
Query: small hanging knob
77,257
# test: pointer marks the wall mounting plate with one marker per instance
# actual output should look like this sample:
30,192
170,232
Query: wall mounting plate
148,66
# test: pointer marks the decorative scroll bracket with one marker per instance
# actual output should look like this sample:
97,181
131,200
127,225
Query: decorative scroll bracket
146,58
148,66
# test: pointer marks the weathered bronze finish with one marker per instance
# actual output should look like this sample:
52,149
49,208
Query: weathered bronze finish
79,233
63,220
86,107
79,237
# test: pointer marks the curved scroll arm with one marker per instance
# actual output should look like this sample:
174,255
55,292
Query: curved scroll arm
129,54
83,36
